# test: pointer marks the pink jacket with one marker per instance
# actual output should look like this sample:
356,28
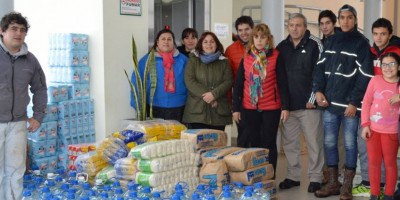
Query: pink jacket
377,112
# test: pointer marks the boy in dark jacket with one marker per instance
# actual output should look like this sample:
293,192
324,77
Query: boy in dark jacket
340,80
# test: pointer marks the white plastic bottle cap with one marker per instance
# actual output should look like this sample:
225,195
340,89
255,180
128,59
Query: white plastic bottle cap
99,181
50,175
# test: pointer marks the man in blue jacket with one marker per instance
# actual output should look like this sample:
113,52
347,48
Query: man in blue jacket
340,80
19,70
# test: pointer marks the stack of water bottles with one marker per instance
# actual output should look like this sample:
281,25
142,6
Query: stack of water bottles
74,185
68,61
43,142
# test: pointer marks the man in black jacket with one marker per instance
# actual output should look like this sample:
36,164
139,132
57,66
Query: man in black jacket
340,80
298,55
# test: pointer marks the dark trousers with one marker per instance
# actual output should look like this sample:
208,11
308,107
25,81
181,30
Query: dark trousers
205,126
167,113
242,140
261,129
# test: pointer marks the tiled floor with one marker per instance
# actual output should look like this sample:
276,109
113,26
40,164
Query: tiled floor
300,193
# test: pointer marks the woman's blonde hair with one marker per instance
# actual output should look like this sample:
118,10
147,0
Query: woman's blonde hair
263,29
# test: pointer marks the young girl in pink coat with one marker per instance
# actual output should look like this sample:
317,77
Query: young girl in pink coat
380,122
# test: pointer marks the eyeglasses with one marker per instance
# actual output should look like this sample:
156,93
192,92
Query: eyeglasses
391,64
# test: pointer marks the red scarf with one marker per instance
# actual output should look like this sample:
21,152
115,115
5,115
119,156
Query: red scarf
169,76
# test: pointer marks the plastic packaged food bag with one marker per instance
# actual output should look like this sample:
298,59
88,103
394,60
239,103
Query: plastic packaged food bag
111,149
161,148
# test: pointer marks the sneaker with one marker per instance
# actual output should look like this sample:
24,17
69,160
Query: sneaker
382,193
361,191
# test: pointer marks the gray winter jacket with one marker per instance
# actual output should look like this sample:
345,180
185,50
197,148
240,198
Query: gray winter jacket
18,72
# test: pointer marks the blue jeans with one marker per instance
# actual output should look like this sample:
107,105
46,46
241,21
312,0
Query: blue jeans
350,127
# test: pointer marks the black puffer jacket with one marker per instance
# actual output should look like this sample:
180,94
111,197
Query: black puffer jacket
344,70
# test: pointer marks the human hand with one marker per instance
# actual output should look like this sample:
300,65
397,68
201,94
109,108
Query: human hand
394,99
321,100
236,117
285,115
310,105
208,97
366,133
350,111
33,125
215,104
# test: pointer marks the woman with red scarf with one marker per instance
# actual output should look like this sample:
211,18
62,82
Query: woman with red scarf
208,78
170,94
256,90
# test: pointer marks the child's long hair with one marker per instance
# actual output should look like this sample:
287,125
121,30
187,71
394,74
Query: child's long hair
397,58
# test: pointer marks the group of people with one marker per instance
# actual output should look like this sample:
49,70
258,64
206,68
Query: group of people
304,84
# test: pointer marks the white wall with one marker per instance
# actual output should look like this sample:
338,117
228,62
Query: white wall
6,7
221,12
49,16
118,31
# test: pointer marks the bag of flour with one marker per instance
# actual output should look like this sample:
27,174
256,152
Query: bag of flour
215,174
254,175
247,159
218,154
205,138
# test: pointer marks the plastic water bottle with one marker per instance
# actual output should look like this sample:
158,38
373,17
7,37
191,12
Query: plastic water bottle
195,196
132,196
116,185
208,193
72,176
175,197
247,196
211,198
200,189
146,192
32,189
260,192
92,195
27,195
226,195
132,187
145,198
45,190
70,196
99,186
85,189
49,196
118,193
61,173
85,198
239,189
104,196
27,180
156,196
119,198
75,185
224,188
62,191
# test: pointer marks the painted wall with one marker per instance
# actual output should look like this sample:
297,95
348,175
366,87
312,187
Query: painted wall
49,16
221,12
118,31
6,6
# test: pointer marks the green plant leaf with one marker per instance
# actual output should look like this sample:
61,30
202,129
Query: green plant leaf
153,79
134,52
138,113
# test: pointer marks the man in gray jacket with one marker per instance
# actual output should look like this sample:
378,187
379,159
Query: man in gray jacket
19,70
